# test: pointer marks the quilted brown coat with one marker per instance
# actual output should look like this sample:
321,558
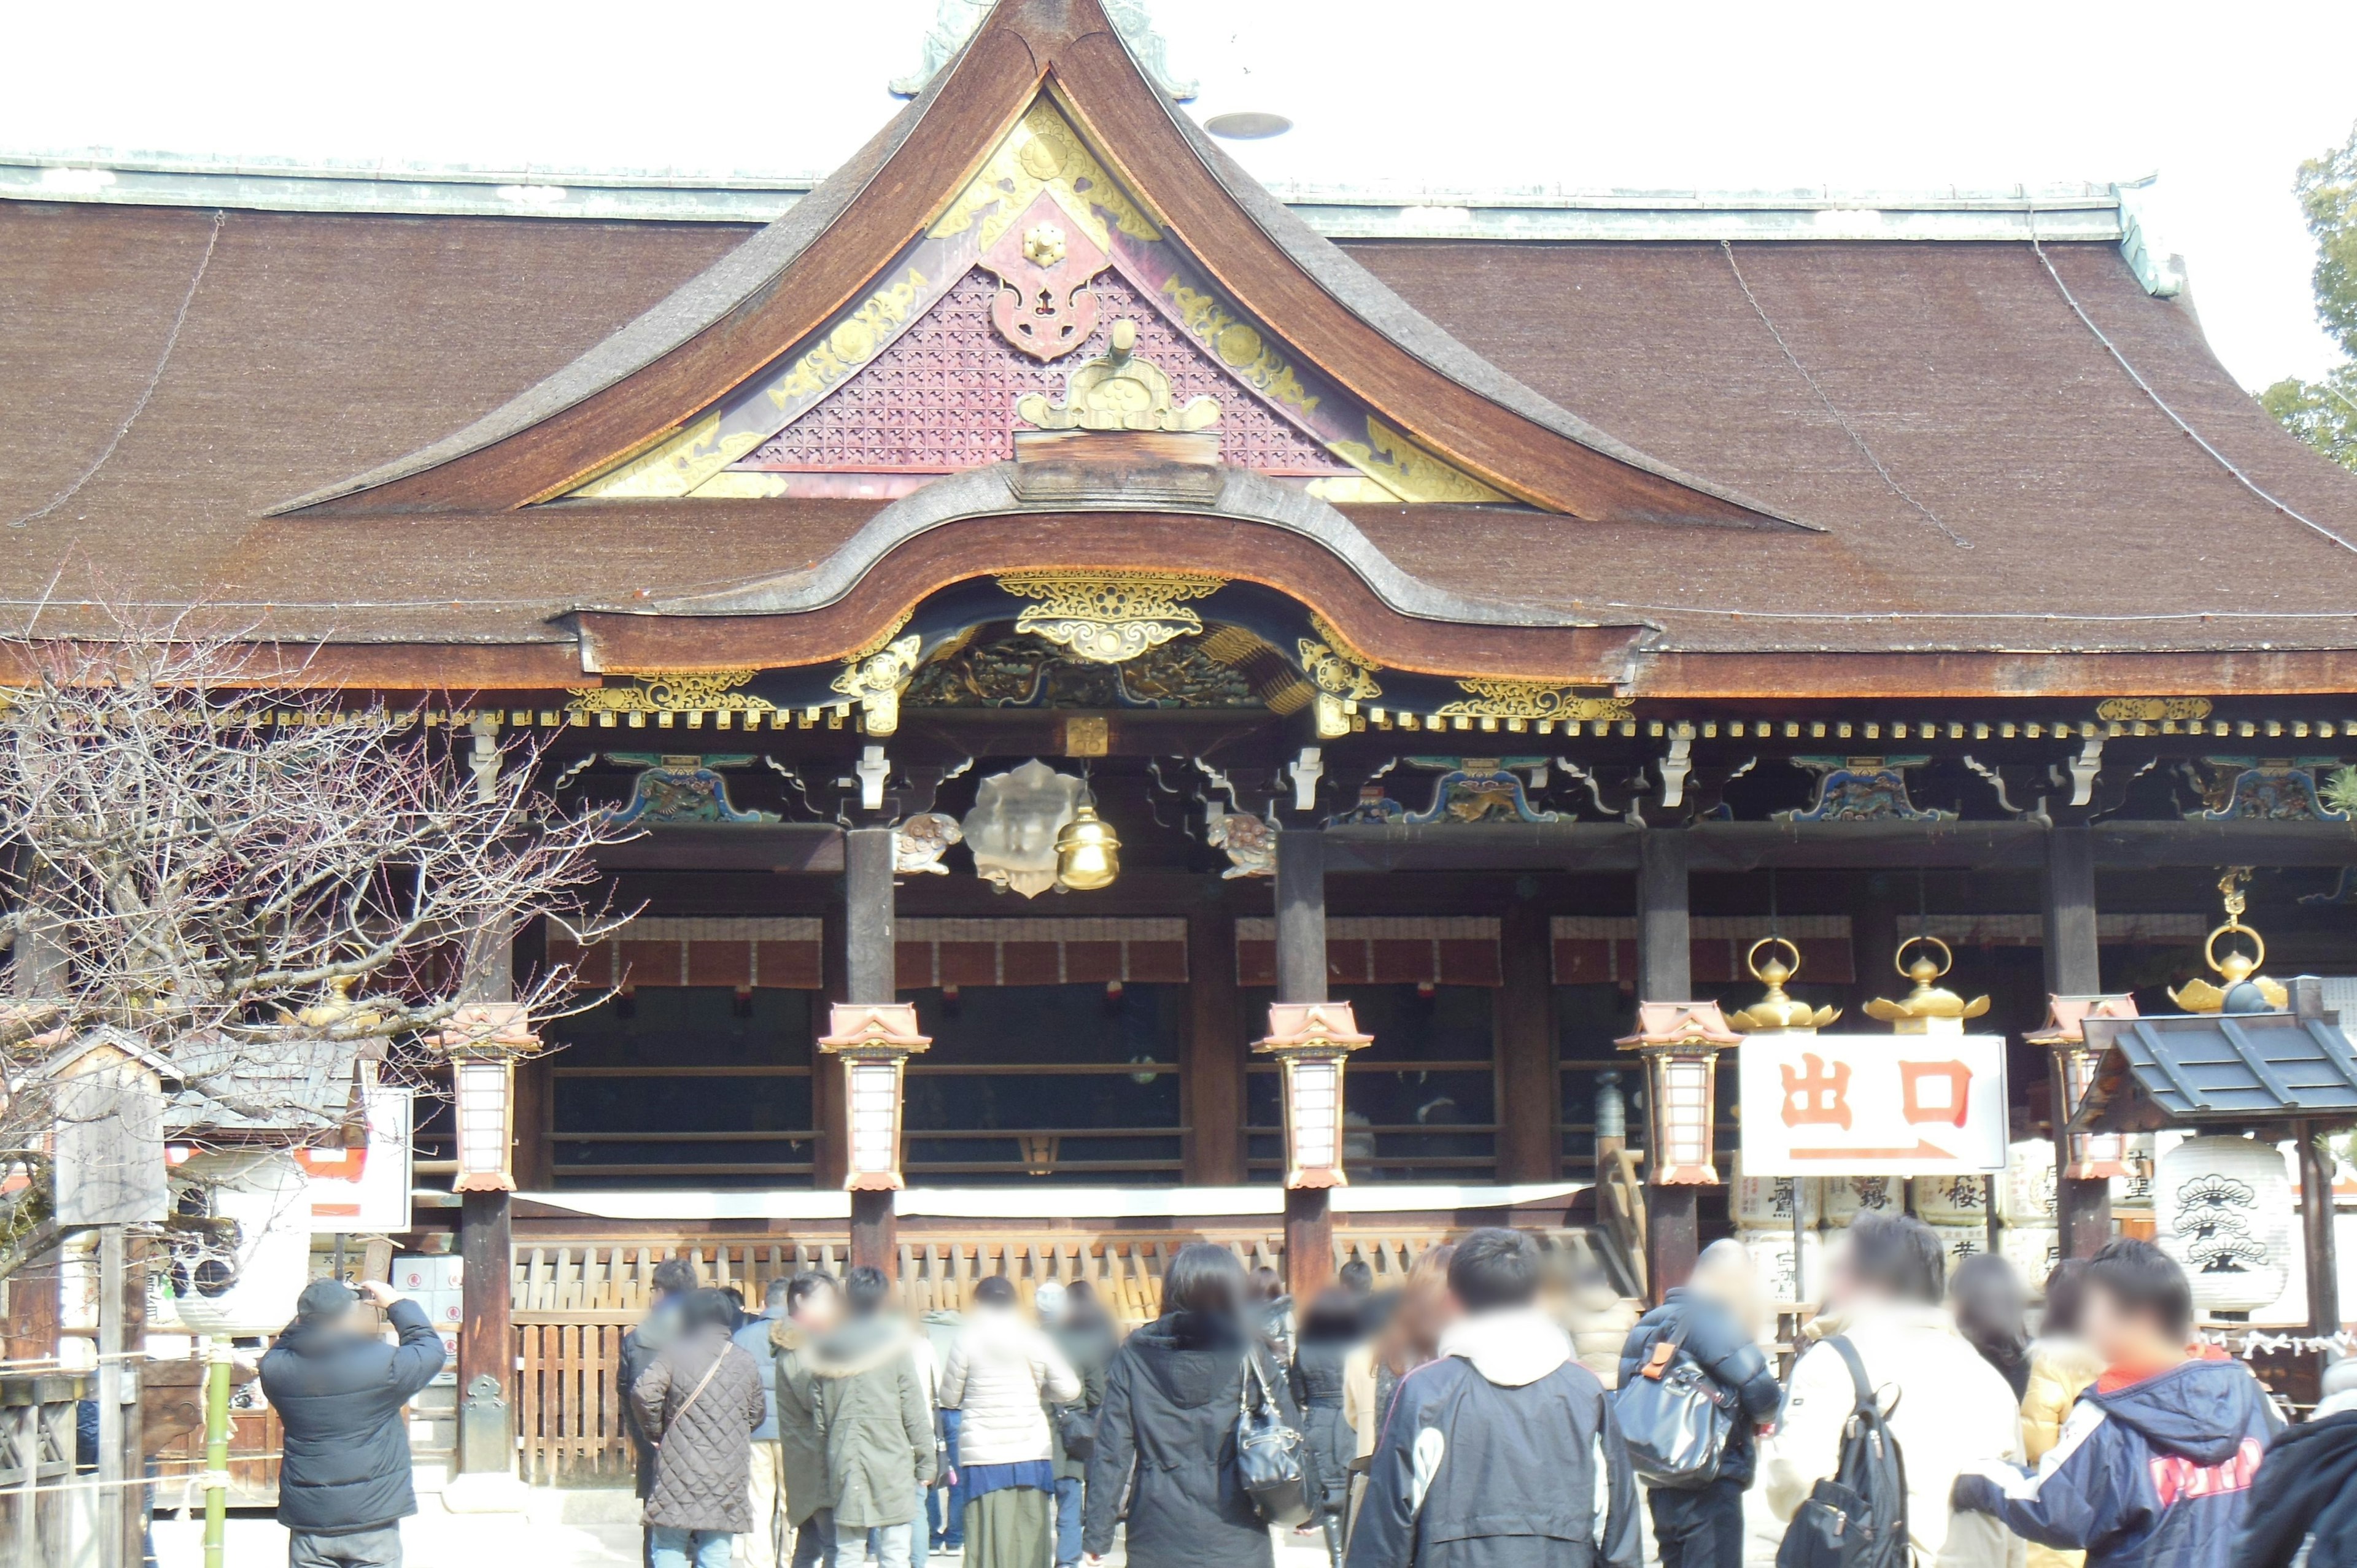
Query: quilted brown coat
705,1448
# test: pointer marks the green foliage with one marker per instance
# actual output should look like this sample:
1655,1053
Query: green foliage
2324,412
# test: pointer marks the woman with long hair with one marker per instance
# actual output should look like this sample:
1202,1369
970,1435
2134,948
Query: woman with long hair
1165,1463
1327,1333
1409,1335
1992,1314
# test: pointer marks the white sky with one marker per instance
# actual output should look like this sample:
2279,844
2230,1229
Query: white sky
2222,99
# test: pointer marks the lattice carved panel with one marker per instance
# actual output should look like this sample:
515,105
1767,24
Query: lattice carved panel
942,398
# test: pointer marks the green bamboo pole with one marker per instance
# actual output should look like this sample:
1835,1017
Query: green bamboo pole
216,1452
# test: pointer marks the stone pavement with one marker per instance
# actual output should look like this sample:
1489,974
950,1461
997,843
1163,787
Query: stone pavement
560,1529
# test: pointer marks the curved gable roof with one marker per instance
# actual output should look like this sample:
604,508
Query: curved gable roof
646,380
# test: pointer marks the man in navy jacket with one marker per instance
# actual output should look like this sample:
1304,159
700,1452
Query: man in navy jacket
343,1487
1502,1453
2155,1461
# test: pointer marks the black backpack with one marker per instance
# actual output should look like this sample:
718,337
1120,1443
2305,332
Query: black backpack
1858,1519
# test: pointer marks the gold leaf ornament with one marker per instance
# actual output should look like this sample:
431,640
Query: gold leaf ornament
1109,618
1506,699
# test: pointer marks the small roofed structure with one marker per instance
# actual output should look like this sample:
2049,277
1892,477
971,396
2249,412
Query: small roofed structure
2278,1075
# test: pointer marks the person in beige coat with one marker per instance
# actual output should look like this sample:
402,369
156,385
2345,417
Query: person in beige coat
1947,1407
2062,1366
1002,1374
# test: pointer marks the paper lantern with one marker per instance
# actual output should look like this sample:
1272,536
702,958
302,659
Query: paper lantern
1312,1041
483,1041
1680,1042
2224,1207
875,1041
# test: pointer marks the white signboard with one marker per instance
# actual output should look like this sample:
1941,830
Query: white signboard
364,1189
1873,1104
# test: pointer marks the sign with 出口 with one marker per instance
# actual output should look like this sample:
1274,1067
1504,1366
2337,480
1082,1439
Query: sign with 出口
1873,1104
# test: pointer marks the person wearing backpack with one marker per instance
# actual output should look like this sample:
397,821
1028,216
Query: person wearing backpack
1898,1376
1698,1517
1502,1453
2156,1460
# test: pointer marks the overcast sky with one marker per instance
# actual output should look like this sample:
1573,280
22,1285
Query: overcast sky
2222,101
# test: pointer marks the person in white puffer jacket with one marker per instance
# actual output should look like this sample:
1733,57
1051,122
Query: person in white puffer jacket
1002,1375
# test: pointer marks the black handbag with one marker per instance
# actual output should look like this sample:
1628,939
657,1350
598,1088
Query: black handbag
1674,1417
1859,1518
1076,1428
1271,1457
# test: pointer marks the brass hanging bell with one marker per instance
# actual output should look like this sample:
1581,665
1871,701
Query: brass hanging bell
1088,856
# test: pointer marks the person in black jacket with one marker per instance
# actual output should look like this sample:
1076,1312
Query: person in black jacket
1704,1529
343,1484
1165,1447
1504,1451
1328,1334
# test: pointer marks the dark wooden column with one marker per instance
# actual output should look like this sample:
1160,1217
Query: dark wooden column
1528,1089
2073,968
1301,977
1665,973
2316,1224
869,974
486,1244
1212,1074
535,1082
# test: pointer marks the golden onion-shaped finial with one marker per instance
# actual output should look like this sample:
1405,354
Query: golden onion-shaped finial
1929,1008
1775,1012
2245,991
1088,856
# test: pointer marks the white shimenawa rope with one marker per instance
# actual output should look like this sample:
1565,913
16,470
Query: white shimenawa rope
2162,403
171,341
1857,440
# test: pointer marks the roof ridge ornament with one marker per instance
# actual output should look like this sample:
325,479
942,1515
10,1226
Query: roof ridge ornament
1118,390
954,22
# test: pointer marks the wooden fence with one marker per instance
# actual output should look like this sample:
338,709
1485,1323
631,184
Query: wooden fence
573,1304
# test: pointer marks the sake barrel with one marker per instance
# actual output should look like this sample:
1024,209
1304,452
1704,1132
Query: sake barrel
1847,1197
2028,1194
2033,1250
1763,1203
2224,1211
1953,1199
1961,1241
1772,1255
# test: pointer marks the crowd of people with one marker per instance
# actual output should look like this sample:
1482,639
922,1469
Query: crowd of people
1930,1418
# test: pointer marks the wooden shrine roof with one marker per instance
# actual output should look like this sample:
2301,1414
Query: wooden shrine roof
1985,491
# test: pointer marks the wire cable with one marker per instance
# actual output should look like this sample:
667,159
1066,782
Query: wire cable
2162,403
1857,440
171,341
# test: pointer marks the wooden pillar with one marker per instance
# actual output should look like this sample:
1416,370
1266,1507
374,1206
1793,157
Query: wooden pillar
535,1080
2073,968
870,958
1530,1089
1301,977
1211,1073
830,1103
2316,1225
486,1243
1665,973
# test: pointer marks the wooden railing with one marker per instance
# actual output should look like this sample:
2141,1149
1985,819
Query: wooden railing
573,1304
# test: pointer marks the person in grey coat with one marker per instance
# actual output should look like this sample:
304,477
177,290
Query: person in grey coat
698,1401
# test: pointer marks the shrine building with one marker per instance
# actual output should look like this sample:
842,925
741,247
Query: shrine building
1164,709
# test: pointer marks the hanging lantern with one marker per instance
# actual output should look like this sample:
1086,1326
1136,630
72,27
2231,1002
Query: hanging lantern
875,1041
1311,1040
1680,1042
1088,856
1929,1009
2246,989
1775,1012
2093,1156
483,1041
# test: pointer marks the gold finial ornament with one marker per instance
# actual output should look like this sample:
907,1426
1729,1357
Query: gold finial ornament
1775,1012
2246,989
1929,1009
1118,390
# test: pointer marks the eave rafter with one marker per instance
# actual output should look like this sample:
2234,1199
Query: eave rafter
656,376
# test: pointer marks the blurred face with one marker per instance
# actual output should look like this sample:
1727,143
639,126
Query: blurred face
2122,1337
1841,1283
819,1309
